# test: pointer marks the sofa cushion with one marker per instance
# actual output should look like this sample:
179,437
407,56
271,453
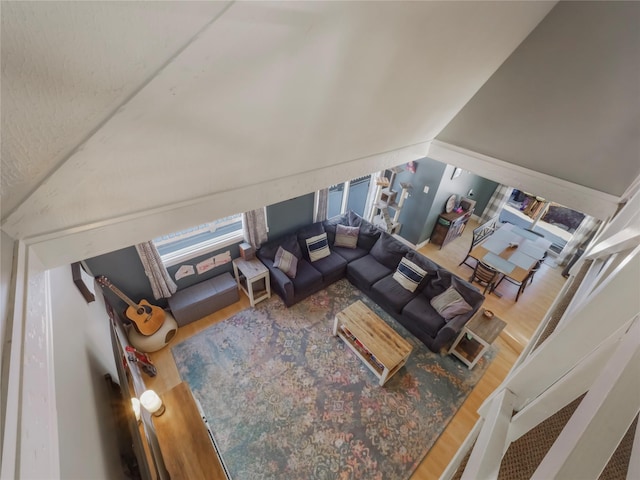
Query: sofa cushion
350,254
307,232
318,247
436,284
366,271
409,275
423,316
330,226
426,264
346,236
368,234
307,277
389,251
288,242
331,267
286,261
394,294
450,304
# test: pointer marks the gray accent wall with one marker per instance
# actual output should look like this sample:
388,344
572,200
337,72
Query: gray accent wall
421,210
288,216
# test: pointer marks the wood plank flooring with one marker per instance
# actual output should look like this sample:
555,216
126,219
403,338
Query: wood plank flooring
522,319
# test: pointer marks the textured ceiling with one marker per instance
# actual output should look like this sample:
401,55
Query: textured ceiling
266,91
567,101
66,66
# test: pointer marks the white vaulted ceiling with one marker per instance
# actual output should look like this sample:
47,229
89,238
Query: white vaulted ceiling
121,111
66,66
265,91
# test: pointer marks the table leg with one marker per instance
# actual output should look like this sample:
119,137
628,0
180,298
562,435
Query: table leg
250,291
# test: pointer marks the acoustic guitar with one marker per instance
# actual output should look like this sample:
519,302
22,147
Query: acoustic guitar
146,318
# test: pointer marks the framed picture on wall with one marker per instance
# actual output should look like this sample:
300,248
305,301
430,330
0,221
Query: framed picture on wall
456,173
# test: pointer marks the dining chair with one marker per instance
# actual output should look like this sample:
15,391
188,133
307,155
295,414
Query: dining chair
484,275
527,280
479,234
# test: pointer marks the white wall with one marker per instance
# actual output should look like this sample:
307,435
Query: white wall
6,264
565,103
82,356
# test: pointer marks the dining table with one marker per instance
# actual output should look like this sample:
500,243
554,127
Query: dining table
511,250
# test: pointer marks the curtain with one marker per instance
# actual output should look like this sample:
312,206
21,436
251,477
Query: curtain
588,227
161,283
496,203
254,225
322,207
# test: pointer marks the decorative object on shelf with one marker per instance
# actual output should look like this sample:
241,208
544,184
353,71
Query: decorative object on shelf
135,404
142,359
246,251
451,204
152,403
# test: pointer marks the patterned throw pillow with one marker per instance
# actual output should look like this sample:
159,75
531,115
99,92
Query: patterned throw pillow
287,262
318,247
450,304
346,236
408,274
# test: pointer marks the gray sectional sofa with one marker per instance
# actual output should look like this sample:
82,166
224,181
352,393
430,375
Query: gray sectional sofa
373,266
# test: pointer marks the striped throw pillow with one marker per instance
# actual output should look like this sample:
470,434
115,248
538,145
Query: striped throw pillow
318,247
408,274
287,262
346,236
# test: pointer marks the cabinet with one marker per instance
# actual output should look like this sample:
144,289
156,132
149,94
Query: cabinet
449,226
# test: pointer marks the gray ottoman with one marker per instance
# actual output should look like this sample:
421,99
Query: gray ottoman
203,298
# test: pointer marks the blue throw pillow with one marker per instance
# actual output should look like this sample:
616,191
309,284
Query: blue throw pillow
408,274
318,247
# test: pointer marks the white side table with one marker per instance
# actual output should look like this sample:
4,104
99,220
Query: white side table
249,274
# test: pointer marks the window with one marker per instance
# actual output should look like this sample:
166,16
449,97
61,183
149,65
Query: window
198,240
351,195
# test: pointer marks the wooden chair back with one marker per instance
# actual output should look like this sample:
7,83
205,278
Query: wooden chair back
484,275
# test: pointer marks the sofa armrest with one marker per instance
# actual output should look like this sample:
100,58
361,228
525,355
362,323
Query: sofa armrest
450,331
279,281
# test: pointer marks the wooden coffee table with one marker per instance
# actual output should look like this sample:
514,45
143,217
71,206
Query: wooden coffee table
380,347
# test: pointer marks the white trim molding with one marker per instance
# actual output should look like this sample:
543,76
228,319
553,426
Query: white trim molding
587,200
30,443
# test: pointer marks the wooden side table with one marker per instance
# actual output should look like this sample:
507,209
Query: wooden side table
476,337
252,278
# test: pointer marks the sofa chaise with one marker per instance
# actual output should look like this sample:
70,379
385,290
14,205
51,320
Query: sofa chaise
428,300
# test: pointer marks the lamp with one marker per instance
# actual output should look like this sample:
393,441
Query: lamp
135,404
152,403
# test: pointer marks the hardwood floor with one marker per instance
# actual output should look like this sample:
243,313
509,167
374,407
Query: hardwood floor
522,319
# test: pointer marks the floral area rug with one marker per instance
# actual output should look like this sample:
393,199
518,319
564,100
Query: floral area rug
285,399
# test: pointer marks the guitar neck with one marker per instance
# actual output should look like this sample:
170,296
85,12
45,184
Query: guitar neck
122,296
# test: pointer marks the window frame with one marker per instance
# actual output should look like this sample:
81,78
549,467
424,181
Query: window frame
202,248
